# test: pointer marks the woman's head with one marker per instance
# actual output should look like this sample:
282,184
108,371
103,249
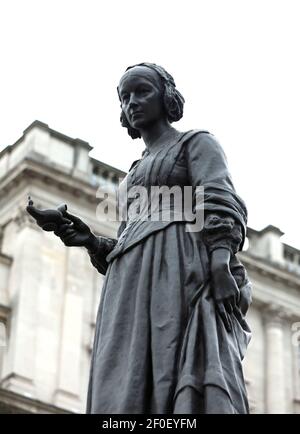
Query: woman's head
147,90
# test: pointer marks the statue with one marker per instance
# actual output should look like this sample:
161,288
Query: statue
171,330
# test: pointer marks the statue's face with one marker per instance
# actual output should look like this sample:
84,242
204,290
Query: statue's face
140,92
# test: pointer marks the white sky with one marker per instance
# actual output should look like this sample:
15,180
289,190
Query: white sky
236,62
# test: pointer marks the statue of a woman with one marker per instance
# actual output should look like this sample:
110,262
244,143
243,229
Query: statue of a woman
171,330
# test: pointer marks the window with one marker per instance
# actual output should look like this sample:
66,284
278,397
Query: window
289,256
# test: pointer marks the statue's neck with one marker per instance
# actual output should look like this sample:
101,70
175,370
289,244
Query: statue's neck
155,137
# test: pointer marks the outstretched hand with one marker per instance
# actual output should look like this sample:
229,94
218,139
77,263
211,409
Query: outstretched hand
71,229
77,233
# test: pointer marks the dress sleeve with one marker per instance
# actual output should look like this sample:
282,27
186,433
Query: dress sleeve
98,255
225,214
103,248
222,231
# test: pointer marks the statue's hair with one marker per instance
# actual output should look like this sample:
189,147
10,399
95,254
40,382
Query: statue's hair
173,101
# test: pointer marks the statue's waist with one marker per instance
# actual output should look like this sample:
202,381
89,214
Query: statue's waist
136,231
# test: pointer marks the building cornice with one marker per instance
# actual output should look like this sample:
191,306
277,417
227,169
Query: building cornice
23,404
291,249
268,269
53,133
32,170
5,259
5,312
107,167
57,134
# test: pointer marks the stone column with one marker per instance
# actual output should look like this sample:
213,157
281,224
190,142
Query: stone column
24,284
274,354
69,380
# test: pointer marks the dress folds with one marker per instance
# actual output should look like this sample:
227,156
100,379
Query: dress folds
160,346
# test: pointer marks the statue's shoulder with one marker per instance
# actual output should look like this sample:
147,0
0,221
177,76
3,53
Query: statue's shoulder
195,134
197,137
134,164
203,142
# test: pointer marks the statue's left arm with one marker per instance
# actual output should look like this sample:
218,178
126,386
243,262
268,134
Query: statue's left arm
225,216
224,211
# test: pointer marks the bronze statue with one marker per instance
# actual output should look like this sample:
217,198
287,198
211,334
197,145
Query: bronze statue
171,330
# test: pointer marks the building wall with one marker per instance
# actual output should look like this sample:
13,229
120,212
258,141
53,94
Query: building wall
49,294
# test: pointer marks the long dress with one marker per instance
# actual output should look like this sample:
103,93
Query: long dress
160,346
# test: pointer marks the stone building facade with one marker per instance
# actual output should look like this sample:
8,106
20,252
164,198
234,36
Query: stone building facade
49,294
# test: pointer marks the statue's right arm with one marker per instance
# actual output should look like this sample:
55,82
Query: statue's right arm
98,250
99,247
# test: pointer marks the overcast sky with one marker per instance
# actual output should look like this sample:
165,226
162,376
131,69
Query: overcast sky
236,63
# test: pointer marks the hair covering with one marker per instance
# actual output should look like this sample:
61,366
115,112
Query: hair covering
172,98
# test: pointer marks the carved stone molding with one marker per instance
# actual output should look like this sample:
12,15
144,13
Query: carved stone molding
13,402
269,270
274,314
270,310
4,313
